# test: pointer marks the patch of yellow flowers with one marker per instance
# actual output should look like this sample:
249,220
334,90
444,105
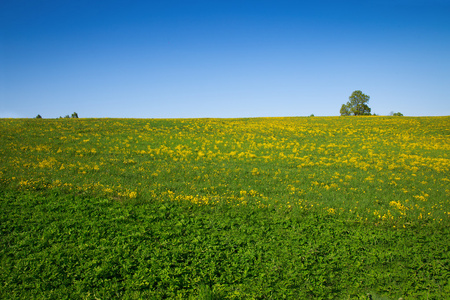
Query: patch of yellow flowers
399,166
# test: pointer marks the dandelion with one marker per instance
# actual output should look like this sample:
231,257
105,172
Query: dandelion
255,171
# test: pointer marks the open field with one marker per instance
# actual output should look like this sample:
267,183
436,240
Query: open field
264,208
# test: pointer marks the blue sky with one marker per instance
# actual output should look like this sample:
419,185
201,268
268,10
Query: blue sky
182,59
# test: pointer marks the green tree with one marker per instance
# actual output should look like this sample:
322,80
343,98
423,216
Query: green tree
75,115
356,106
345,110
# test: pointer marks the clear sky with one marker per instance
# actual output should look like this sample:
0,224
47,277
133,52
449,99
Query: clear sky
233,58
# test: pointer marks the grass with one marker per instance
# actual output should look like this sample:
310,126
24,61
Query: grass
266,208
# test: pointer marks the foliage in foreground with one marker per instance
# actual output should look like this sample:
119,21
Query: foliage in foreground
225,209
90,247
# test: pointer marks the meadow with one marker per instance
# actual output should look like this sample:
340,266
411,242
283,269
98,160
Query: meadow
260,208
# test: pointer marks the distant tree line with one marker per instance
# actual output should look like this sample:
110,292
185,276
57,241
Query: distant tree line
74,116
357,106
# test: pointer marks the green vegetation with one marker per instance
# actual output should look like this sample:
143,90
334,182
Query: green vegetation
346,208
356,106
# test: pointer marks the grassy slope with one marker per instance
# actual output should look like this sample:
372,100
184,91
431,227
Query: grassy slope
271,227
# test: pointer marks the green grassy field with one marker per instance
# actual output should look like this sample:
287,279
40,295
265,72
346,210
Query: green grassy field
264,208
